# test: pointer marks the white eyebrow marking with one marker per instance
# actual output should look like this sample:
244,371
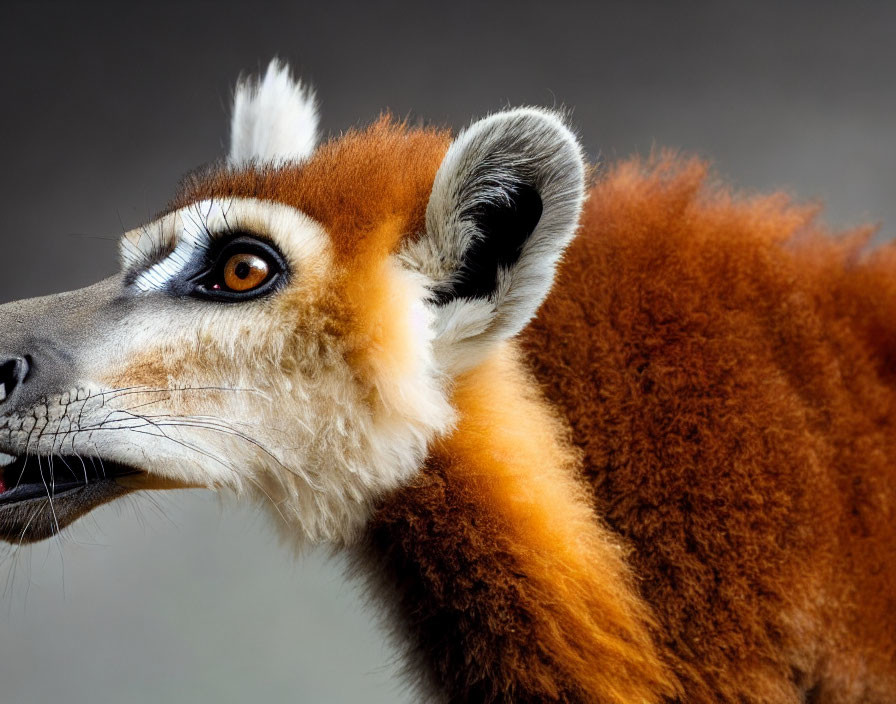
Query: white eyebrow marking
194,226
192,229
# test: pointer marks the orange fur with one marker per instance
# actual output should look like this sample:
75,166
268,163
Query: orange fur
509,449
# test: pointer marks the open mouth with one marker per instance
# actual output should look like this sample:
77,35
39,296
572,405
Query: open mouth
40,494
33,477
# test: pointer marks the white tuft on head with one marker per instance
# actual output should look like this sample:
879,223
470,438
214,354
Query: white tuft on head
274,118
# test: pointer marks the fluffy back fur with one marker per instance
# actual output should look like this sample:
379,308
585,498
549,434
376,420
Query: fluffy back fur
728,374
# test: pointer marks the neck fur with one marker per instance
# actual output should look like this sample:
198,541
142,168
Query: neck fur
503,582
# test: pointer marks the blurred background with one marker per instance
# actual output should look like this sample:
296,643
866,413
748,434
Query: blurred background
183,598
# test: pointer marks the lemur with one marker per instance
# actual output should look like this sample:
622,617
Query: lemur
669,475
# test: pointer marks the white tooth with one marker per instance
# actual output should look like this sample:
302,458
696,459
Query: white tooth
2,392
6,459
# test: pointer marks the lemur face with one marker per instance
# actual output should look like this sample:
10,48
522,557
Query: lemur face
290,328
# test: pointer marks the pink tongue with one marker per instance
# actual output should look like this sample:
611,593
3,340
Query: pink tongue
2,485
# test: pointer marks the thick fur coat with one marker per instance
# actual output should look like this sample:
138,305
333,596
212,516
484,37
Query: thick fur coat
725,366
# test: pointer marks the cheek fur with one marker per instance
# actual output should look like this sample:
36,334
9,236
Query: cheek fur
319,404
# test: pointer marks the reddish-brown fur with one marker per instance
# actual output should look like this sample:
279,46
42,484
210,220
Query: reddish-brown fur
727,371
353,186
727,368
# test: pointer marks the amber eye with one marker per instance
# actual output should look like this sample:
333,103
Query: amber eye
245,271
242,267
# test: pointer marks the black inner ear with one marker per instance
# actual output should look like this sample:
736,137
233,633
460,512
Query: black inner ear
504,228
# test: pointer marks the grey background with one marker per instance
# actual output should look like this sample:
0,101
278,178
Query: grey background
182,599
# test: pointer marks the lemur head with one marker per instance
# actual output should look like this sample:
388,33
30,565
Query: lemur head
291,326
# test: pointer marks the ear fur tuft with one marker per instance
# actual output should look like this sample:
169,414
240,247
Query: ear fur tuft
504,205
274,118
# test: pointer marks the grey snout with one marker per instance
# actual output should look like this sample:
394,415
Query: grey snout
43,341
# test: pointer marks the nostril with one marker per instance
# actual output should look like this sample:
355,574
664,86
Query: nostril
13,372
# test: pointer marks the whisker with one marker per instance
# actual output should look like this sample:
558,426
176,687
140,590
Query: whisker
102,465
38,509
185,444
40,471
131,390
216,425
233,433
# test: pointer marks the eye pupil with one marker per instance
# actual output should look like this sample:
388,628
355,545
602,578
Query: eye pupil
242,270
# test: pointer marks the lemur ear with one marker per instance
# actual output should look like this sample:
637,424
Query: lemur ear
274,118
505,204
